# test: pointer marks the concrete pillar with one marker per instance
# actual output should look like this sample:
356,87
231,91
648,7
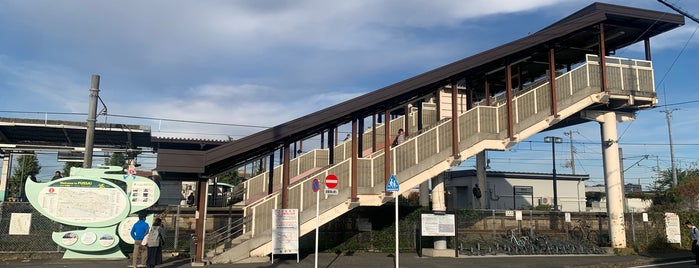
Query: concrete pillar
612,171
425,194
612,177
439,205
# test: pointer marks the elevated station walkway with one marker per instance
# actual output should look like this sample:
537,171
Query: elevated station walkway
427,153
556,77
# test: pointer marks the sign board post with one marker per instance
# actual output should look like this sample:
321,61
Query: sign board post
522,190
439,225
393,186
285,232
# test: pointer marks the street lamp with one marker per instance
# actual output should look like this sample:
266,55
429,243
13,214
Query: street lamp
553,140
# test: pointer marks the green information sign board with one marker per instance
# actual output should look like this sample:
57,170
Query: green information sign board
91,198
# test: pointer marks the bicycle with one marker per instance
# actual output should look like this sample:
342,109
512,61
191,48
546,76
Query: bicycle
583,231
520,243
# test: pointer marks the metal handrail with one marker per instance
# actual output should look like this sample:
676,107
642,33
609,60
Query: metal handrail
226,233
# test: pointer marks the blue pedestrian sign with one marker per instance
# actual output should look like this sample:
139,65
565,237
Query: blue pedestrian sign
315,185
392,185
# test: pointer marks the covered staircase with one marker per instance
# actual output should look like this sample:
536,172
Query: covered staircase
499,97
429,151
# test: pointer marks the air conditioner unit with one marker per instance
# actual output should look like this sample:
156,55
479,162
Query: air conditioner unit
545,201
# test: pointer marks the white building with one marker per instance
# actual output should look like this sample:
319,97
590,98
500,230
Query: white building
514,190
630,204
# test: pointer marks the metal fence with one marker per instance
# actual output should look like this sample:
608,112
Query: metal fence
39,237
479,231
493,232
178,222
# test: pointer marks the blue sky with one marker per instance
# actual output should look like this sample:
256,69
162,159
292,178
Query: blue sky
266,62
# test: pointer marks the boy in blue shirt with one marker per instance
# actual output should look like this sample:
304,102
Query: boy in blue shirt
138,231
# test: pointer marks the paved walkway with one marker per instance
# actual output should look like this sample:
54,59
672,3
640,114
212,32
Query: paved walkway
366,260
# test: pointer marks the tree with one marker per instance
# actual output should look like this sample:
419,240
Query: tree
231,177
68,165
116,159
683,196
688,190
27,166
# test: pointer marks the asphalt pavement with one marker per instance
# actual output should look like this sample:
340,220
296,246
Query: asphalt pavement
406,260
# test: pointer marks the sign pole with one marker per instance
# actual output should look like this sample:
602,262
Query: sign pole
315,186
397,259
317,223
394,186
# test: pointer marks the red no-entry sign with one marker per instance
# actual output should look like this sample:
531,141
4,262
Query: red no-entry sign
331,181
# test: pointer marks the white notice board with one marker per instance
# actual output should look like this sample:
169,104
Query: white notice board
438,225
20,223
672,228
285,231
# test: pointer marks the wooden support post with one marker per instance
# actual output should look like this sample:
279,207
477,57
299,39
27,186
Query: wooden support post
360,136
552,80
285,176
602,59
373,133
510,109
487,92
355,143
270,181
202,189
331,147
322,140
646,44
387,147
454,121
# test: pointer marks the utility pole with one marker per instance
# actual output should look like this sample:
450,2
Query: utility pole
623,183
668,113
668,117
657,168
572,151
91,120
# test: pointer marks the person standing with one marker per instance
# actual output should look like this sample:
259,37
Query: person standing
155,244
138,232
57,175
190,199
694,236
399,138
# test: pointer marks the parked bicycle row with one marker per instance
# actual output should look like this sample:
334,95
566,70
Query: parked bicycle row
514,243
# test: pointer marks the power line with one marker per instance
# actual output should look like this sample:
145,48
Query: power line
678,103
187,121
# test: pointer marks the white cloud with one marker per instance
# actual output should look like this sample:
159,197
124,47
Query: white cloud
48,87
169,33
243,105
